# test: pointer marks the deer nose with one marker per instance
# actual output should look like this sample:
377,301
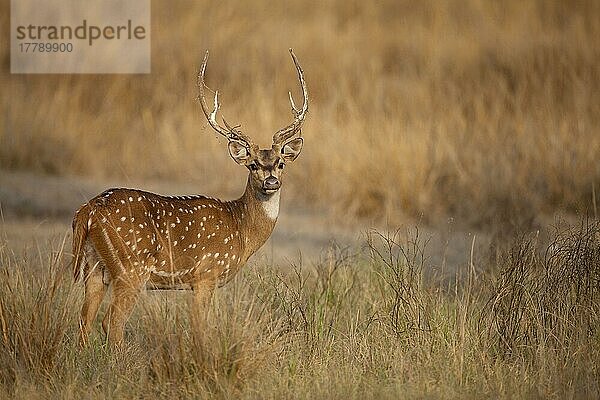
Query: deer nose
271,183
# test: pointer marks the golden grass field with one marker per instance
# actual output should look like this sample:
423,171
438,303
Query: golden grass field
484,113
344,327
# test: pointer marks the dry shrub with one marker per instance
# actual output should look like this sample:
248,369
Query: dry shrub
399,262
549,301
311,300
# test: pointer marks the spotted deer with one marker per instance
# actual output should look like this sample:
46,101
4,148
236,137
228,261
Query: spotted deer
133,240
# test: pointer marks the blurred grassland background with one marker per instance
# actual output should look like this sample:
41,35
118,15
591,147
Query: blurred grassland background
487,111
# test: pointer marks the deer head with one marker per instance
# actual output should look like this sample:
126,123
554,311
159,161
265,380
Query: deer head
265,166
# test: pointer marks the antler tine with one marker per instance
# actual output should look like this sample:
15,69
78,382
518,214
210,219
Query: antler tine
229,132
299,114
234,130
295,111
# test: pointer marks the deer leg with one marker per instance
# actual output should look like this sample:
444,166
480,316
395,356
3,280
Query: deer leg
95,289
203,291
123,301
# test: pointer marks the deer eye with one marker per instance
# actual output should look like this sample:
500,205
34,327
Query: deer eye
253,167
281,165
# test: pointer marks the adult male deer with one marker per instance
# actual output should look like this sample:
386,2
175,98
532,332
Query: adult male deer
131,239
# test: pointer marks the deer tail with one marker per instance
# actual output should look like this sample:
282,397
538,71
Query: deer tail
81,223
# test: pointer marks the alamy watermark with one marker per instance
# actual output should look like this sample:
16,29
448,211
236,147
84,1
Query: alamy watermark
74,36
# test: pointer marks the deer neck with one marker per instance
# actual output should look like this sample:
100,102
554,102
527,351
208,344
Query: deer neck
258,217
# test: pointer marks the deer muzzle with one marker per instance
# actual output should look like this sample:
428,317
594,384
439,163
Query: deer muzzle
271,184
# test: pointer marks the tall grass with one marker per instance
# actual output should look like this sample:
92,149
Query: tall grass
480,109
346,327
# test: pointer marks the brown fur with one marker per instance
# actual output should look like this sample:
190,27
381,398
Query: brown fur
133,240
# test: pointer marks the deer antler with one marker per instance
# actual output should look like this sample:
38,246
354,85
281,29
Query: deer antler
230,132
299,114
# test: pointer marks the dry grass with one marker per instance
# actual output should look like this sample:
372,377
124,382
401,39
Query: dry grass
479,109
346,327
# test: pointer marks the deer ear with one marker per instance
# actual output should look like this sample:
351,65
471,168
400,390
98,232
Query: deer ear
291,149
238,151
